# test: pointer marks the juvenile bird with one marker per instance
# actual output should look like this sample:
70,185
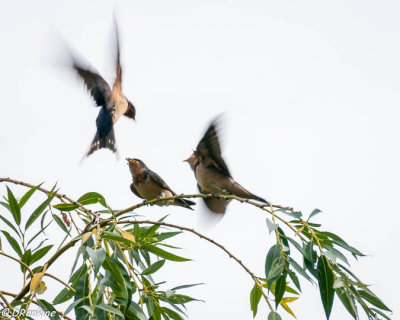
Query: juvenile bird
212,173
149,185
113,103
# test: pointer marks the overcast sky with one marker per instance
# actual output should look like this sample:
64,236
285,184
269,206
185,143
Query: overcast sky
310,90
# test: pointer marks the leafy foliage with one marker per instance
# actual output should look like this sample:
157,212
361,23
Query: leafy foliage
117,261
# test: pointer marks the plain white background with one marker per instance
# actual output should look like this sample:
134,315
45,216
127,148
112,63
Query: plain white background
310,90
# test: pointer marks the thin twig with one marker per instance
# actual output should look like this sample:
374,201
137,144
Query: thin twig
19,261
59,280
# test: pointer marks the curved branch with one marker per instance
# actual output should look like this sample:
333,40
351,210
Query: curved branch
19,261
60,196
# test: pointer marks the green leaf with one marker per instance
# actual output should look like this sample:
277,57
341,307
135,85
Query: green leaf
274,316
117,238
109,309
47,307
315,212
172,314
325,282
296,245
255,297
276,269
333,254
373,299
154,267
27,196
271,226
10,225
91,198
40,253
112,266
162,253
60,223
14,244
299,269
273,253
340,242
294,214
14,207
348,302
309,252
97,256
65,206
134,310
39,210
280,288
74,304
166,235
294,278
186,286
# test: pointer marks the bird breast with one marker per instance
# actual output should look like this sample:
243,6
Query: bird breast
120,107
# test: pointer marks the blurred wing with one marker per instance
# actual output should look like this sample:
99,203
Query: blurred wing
159,181
209,151
96,85
118,76
215,205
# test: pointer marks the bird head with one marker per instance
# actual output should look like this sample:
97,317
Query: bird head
136,165
192,160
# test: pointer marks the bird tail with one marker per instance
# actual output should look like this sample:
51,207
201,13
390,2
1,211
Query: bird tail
185,203
104,141
254,197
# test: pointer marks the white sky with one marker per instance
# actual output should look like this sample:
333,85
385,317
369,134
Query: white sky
311,94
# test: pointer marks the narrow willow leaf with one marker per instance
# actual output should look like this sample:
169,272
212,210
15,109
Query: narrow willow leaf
309,252
128,236
65,206
295,279
40,253
325,282
274,316
91,198
296,245
49,309
315,212
10,225
280,289
39,210
97,256
27,196
109,309
134,311
276,269
153,268
117,238
186,286
255,297
73,305
162,253
167,235
172,314
112,266
294,214
273,253
14,207
373,299
85,237
88,309
381,313
348,302
38,233
299,269
333,254
271,226
338,283
340,242
14,244
60,223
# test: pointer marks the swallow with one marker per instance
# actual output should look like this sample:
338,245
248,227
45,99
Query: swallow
112,102
212,173
149,185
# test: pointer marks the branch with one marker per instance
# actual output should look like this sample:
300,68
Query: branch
60,196
19,261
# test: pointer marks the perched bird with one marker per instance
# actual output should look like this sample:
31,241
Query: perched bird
149,185
113,103
212,173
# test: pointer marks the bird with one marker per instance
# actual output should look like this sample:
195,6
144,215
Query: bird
212,173
149,185
112,102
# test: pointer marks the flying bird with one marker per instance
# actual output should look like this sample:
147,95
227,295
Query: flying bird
112,102
149,185
212,173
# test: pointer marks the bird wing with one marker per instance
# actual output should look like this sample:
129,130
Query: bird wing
209,150
133,189
159,181
96,85
118,77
